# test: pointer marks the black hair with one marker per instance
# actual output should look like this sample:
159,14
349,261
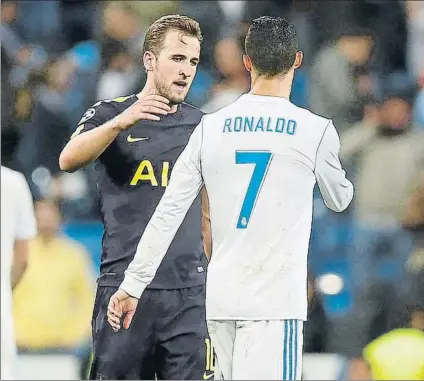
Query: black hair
272,44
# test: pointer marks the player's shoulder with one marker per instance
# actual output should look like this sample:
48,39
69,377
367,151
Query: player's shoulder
13,184
192,113
316,125
118,102
11,176
108,107
301,113
306,114
222,112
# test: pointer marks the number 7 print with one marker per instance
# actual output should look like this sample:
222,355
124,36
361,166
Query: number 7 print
261,159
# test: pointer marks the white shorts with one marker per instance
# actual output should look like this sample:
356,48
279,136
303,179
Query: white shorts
257,350
8,346
8,358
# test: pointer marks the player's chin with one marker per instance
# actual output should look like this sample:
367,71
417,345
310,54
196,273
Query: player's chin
177,98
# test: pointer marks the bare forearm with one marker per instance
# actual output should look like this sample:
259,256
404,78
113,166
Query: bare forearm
18,270
20,262
87,147
84,148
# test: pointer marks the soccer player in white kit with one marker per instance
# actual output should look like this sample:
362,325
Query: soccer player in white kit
259,159
18,226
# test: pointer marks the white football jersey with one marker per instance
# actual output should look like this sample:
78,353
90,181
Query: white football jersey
259,159
17,223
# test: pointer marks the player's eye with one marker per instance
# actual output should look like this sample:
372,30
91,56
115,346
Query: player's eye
177,59
194,63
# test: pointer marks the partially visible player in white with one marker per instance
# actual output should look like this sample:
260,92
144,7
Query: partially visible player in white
18,226
259,159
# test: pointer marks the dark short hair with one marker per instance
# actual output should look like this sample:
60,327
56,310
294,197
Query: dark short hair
272,44
156,32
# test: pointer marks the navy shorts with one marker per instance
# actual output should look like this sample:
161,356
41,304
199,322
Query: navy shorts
166,339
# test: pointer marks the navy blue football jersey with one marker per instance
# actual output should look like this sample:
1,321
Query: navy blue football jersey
132,174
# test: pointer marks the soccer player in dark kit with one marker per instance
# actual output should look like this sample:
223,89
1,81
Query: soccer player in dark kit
134,142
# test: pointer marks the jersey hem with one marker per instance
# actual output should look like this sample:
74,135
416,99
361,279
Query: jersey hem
108,282
257,318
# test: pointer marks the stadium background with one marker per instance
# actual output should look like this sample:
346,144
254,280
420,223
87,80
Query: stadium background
60,57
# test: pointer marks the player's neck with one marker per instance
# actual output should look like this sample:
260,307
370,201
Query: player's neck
272,87
149,89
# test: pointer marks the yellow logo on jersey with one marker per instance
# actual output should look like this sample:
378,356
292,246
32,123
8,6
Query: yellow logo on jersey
117,100
145,172
130,139
121,99
210,360
77,131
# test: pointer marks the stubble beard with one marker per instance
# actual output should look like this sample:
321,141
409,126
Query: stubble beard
165,91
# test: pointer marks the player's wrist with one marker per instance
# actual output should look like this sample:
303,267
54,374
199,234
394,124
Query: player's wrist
118,124
132,287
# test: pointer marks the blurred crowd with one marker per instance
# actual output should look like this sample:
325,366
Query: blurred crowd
363,67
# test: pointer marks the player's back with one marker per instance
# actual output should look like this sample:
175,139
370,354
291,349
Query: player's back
258,162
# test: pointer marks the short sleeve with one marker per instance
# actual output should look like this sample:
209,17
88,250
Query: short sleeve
98,114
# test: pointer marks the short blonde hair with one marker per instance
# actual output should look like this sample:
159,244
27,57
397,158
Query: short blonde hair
156,32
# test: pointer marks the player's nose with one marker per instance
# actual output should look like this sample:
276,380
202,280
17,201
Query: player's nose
185,71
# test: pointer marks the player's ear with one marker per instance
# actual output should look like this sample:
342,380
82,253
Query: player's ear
247,62
149,60
298,60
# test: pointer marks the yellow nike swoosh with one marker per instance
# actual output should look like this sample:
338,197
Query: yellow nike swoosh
130,139
207,376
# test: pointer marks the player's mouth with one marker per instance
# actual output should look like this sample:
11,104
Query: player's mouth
181,85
